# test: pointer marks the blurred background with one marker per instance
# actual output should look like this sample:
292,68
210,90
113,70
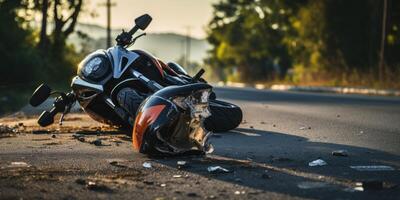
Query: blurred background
299,42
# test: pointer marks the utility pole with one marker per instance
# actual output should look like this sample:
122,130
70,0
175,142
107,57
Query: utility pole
383,41
109,4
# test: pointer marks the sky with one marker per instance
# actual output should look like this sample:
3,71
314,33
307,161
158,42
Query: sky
177,16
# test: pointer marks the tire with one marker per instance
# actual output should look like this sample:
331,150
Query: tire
224,116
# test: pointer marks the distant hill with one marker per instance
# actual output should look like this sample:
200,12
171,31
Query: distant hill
167,46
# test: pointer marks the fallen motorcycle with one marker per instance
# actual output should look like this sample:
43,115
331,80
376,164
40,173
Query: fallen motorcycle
169,111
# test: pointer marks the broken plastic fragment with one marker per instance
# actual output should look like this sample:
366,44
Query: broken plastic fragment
217,169
318,162
181,164
237,192
373,168
147,165
177,176
97,142
343,153
20,164
91,185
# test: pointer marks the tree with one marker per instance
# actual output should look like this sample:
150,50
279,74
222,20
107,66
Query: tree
249,36
64,26
18,55
43,40
330,40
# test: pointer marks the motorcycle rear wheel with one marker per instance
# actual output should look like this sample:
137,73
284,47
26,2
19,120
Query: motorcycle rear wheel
224,116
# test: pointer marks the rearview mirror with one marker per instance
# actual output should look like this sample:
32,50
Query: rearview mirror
143,21
40,95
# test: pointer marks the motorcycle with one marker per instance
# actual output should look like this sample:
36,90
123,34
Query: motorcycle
169,111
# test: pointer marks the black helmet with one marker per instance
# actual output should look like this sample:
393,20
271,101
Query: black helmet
171,121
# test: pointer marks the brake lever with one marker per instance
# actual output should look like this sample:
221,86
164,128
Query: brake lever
67,108
66,111
134,39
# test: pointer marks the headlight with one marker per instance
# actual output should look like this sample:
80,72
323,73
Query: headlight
94,68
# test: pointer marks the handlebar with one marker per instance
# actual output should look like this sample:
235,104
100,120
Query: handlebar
125,38
198,75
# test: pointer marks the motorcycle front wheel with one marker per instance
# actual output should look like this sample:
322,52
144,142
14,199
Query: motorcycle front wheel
224,116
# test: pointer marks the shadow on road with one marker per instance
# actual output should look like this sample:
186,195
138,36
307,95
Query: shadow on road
278,162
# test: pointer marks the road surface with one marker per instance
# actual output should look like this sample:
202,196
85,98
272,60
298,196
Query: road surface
268,155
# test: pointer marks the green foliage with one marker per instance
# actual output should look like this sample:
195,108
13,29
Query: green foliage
22,61
258,40
19,58
249,36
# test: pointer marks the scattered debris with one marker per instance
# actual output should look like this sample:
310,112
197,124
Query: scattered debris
163,185
217,169
373,168
20,164
318,162
337,116
5,129
117,163
147,165
97,142
181,164
361,132
91,185
343,153
148,182
304,127
53,136
79,137
177,176
252,127
237,192
262,123
273,125
311,185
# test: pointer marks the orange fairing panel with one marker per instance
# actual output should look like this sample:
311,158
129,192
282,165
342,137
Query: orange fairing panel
143,120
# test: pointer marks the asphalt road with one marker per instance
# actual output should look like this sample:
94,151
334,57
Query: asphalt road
268,155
